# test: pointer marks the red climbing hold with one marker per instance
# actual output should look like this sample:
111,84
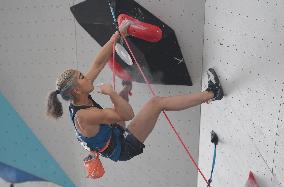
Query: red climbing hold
141,30
118,70
251,182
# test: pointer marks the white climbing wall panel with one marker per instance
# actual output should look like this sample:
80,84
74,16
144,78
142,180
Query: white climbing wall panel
38,42
244,42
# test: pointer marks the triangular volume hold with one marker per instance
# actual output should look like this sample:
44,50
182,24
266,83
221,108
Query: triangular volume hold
21,149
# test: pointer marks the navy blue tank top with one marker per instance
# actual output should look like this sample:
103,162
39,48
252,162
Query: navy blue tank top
98,141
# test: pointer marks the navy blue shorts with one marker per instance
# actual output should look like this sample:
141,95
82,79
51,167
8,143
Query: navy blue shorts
130,146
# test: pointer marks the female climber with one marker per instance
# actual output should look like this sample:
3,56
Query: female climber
104,129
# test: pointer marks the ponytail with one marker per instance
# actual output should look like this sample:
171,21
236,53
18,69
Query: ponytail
64,85
54,106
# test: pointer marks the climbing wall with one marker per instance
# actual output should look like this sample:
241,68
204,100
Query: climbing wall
40,39
244,42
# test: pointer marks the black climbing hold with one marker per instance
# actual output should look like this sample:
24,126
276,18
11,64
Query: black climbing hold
214,138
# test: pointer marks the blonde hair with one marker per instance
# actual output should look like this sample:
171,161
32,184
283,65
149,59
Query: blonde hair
64,85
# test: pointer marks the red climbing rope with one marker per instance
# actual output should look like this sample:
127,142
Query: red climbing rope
153,93
168,119
113,61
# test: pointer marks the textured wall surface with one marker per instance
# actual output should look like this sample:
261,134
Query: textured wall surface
39,39
244,42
